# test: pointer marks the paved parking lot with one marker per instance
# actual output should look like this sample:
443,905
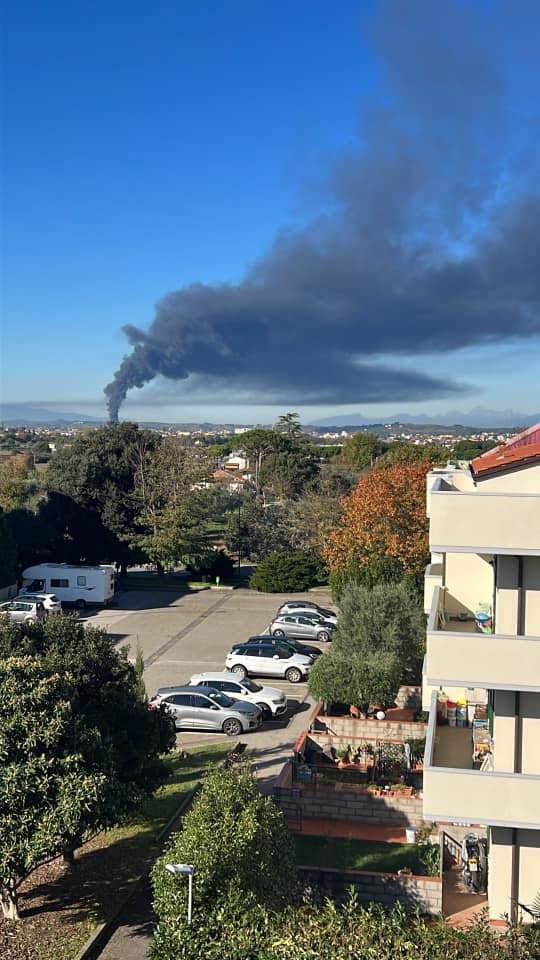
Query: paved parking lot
183,634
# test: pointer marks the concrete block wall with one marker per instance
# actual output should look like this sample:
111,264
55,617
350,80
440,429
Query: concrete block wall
348,803
348,727
423,893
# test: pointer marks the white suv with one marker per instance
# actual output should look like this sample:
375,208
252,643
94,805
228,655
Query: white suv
270,700
268,660
50,601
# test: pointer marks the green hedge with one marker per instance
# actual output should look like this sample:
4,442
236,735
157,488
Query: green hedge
285,573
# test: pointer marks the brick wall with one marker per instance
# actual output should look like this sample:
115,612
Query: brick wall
348,802
423,893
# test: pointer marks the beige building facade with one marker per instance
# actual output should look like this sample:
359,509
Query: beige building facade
482,599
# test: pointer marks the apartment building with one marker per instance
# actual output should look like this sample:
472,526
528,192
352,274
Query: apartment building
482,593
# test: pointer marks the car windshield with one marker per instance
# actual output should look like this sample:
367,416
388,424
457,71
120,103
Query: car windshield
251,685
221,698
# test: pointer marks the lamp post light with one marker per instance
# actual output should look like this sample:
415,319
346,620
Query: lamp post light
187,869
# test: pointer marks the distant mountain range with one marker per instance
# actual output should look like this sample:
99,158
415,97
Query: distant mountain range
22,414
19,414
478,417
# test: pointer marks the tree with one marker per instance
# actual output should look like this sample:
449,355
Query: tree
384,517
8,553
13,474
402,452
172,505
97,471
284,573
387,618
257,530
240,845
361,450
356,679
258,443
289,423
286,473
79,748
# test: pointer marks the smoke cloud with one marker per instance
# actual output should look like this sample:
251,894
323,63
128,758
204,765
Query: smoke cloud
429,240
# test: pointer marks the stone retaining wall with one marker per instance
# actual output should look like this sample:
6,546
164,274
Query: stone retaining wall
422,893
347,802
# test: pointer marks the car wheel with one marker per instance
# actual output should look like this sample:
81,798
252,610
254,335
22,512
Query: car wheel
293,675
80,604
240,670
324,636
265,710
232,727
30,620
279,633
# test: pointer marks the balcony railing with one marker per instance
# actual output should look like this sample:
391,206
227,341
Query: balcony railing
458,654
459,793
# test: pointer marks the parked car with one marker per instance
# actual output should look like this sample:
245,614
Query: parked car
294,645
24,611
306,606
268,660
50,601
271,701
208,709
302,625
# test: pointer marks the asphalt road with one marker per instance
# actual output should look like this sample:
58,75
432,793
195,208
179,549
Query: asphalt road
183,634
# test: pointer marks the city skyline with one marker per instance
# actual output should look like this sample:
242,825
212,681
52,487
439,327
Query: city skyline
364,185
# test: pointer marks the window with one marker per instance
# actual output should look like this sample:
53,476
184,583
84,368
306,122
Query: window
59,583
197,701
81,581
180,700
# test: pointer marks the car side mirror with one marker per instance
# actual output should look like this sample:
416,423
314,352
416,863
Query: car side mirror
275,657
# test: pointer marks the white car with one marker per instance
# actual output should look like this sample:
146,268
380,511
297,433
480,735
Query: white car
268,660
270,700
50,601
305,607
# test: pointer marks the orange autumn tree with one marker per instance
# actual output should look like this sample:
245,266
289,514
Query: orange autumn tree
383,532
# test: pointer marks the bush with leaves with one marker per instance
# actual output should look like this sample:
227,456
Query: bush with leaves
358,680
285,573
240,846
330,932
79,748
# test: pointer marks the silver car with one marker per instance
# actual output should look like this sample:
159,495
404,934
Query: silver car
308,608
24,611
303,626
207,709
271,701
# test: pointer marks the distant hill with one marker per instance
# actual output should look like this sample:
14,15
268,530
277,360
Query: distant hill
22,414
477,417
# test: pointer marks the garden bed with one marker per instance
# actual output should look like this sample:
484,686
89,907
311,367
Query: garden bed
60,908
351,854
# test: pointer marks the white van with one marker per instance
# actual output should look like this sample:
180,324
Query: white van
75,584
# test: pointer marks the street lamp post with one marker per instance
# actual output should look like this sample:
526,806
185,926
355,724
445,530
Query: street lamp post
239,534
187,869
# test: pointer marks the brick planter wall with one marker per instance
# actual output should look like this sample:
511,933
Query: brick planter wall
423,893
347,802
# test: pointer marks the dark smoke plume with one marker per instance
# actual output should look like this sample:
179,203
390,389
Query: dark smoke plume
430,240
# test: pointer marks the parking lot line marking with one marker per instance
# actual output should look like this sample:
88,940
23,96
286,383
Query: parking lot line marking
190,626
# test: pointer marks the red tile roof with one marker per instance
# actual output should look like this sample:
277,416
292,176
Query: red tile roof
522,449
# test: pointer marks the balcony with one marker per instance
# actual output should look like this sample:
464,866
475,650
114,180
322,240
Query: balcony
459,655
453,791
484,523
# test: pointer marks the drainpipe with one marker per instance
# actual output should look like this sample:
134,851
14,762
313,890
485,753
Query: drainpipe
521,600
514,878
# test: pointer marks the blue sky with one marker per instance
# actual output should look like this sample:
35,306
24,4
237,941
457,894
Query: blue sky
291,151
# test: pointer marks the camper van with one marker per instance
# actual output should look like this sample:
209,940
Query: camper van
78,585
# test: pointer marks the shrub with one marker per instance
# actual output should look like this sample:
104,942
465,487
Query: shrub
284,573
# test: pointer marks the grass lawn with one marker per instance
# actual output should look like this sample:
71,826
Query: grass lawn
60,908
350,854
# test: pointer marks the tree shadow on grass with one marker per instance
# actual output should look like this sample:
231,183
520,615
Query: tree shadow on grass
105,869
